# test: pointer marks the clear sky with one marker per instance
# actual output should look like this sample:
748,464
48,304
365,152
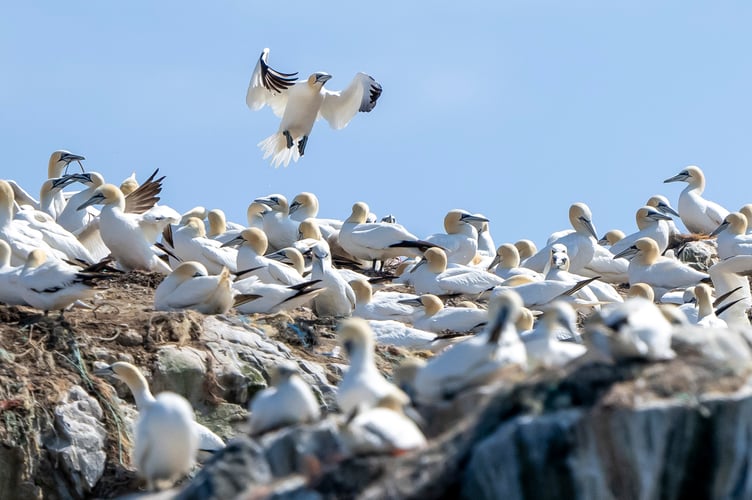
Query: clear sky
515,109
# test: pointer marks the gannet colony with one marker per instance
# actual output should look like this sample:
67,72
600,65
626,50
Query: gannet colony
467,313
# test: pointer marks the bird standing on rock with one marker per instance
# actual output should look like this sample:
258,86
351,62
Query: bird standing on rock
301,102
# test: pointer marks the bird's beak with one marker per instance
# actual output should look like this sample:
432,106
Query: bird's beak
97,198
719,229
411,302
603,241
294,206
472,218
656,216
677,178
323,78
66,180
235,242
667,209
266,201
627,253
496,261
69,157
104,372
589,226
418,264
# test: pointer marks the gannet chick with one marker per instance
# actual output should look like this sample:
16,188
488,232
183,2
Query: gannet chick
189,286
437,318
479,359
362,385
526,249
460,242
300,103
543,347
662,273
506,263
280,229
732,236
382,305
634,328
581,243
251,258
381,429
651,224
377,241
272,298
431,275
338,298
130,236
48,284
10,290
139,387
190,243
698,214
611,237
288,401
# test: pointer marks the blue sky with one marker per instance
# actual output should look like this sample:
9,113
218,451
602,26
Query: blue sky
515,109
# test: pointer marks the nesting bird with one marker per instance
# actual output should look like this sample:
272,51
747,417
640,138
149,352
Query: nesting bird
698,214
190,286
301,103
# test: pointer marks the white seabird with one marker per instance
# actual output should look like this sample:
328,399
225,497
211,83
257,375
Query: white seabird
479,359
460,242
732,236
543,347
337,298
139,387
381,305
10,291
272,298
251,260
506,263
288,401
190,286
437,318
128,235
362,385
698,214
433,275
651,223
190,243
280,229
301,103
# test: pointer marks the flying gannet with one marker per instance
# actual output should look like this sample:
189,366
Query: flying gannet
301,103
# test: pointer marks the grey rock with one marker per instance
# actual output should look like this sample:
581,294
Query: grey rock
181,370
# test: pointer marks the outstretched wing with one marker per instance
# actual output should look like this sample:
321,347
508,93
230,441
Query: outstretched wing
340,107
145,196
268,86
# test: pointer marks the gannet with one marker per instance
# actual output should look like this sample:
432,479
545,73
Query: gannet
58,162
381,429
432,275
605,267
288,401
70,218
437,318
129,184
559,270
698,214
255,214
280,229
581,243
460,242
662,273
139,387
48,284
272,298
747,211
543,347
611,237
642,290
250,256
662,204
54,235
506,263
300,103
190,286
479,359
338,298
486,245
377,241
396,333
526,249
21,238
651,224
362,384
10,290
405,372
130,236
219,228
190,242
732,236
306,206
292,257
728,275
633,328
706,315
381,305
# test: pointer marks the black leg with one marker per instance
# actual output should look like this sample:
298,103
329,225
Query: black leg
287,135
302,144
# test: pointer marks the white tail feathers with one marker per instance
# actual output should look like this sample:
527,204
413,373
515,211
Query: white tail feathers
276,146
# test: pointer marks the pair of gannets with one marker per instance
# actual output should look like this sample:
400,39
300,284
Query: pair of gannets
190,286
732,236
651,223
479,359
460,242
57,164
190,243
288,401
506,263
662,273
698,214
300,103
377,241
131,231
252,261
280,229
167,437
580,243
